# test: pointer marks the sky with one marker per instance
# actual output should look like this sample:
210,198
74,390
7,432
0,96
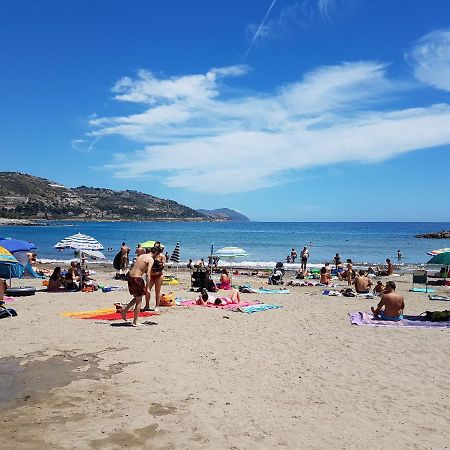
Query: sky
285,110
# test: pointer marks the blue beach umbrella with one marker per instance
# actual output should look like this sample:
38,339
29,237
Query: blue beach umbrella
16,245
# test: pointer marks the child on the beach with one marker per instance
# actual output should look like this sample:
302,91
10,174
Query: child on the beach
379,288
325,276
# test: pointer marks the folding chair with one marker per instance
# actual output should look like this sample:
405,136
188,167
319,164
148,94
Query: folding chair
420,277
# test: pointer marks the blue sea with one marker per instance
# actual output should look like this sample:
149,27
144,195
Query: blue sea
266,242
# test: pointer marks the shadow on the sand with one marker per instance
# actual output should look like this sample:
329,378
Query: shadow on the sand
129,324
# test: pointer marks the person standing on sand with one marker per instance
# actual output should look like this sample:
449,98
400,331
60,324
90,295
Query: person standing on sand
304,255
156,277
393,304
137,286
337,260
3,287
124,260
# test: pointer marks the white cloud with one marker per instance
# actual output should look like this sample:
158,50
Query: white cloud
430,59
194,132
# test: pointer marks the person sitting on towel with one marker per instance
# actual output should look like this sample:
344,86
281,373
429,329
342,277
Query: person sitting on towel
383,272
206,298
379,288
225,282
55,283
393,304
362,283
325,276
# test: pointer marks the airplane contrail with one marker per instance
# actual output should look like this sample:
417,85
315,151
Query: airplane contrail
259,30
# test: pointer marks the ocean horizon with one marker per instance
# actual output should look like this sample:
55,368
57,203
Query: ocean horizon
366,243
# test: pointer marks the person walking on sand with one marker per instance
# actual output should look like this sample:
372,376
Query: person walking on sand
304,255
391,305
137,286
124,260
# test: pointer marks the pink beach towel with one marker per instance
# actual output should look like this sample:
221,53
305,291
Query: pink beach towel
367,319
209,305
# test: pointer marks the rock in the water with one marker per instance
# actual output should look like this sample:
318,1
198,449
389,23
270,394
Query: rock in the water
437,235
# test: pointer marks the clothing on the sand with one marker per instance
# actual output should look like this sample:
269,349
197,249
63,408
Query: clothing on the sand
367,319
136,286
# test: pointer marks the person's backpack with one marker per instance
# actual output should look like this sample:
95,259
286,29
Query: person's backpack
437,316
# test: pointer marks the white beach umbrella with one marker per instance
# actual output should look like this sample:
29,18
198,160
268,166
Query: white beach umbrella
231,253
79,242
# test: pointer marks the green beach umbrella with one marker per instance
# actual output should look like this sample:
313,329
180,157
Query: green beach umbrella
440,256
150,244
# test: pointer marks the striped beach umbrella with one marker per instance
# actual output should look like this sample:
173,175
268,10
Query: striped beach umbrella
6,256
8,265
79,242
439,256
175,256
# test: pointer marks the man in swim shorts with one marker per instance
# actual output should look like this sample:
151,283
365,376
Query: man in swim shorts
137,286
124,252
393,304
362,283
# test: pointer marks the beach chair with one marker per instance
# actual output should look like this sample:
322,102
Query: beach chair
420,277
199,278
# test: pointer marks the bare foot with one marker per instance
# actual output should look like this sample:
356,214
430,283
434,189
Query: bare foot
135,324
123,313
157,309
374,312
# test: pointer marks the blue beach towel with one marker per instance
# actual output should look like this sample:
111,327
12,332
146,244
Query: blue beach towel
426,290
257,308
269,291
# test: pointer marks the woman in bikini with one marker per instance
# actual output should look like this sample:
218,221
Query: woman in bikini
156,277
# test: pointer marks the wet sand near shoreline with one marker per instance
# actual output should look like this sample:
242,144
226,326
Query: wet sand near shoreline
296,377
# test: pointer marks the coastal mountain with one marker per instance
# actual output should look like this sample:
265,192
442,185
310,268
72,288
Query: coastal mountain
224,214
24,196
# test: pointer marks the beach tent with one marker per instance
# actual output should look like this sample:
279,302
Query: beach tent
175,256
19,249
9,266
231,254
439,256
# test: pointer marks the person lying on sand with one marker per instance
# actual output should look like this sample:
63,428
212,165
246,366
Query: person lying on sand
362,283
206,298
393,304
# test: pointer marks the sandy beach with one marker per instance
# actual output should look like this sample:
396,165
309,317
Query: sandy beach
297,377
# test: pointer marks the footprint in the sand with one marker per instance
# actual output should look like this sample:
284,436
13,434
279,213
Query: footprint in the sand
156,409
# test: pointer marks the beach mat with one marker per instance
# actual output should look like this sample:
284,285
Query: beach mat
94,312
117,316
442,298
256,308
209,305
367,319
7,299
426,290
269,291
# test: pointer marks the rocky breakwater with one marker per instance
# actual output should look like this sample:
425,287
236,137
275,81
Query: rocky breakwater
436,235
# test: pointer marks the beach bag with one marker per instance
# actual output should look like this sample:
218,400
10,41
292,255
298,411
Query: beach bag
167,299
348,293
437,316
